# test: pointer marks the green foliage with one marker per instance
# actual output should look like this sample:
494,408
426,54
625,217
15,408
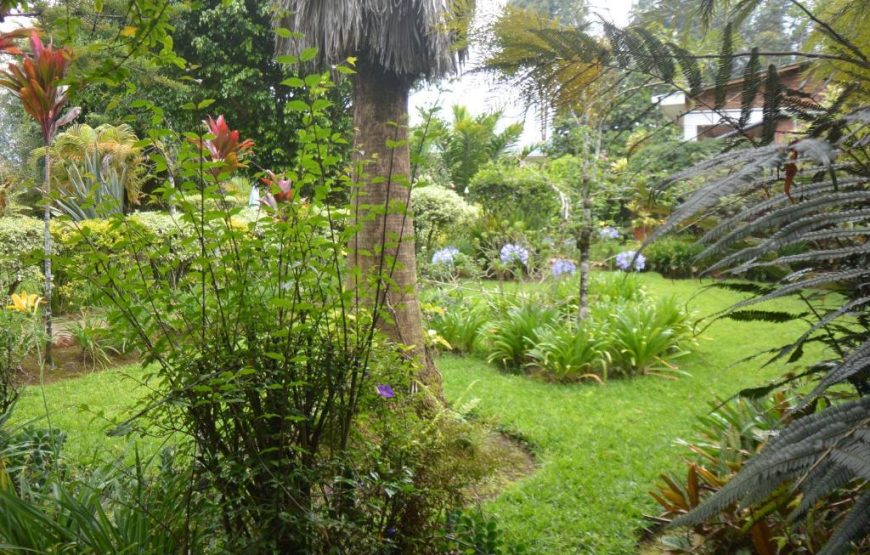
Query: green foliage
515,194
266,361
101,160
673,257
20,237
643,338
96,190
94,340
438,212
517,330
569,353
473,533
112,510
617,287
19,333
460,326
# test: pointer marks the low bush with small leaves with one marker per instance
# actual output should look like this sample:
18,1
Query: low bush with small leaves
673,257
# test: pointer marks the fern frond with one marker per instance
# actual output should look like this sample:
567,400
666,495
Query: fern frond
752,212
854,364
809,220
818,484
723,72
746,167
770,109
794,452
751,84
829,317
772,316
817,280
855,527
689,67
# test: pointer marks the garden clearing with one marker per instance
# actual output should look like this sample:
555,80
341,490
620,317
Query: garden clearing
599,449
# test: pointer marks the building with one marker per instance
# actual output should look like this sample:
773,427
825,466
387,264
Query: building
700,121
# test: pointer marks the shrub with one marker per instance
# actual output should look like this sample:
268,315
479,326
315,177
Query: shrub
20,238
673,257
569,352
516,194
437,212
306,423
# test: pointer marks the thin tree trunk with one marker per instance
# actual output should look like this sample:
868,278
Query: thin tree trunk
383,248
583,244
47,247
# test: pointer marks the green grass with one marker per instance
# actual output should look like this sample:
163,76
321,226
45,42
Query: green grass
85,409
600,449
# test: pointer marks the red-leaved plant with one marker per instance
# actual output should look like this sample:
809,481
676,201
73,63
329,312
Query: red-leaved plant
36,80
280,190
226,147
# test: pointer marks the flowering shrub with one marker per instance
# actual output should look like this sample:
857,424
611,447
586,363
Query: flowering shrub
563,267
445,256
608,233
629,260
511,253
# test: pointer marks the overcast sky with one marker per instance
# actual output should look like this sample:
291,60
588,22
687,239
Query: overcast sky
480,93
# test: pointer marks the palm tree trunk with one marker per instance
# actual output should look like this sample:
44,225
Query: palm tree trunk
47,247
383,248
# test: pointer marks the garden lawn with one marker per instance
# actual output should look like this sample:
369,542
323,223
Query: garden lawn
601,448
85,409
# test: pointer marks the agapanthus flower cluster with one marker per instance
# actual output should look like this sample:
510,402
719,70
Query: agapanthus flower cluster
624,261
562,267
511,253
445,256
608,233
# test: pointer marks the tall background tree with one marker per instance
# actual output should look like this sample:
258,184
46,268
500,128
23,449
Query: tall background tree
395,44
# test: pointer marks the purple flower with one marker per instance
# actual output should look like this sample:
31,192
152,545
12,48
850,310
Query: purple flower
385,391
445,256
511,253
391,532
608,233
562,267
624,261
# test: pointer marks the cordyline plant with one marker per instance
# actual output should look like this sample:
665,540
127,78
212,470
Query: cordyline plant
36,81
226,148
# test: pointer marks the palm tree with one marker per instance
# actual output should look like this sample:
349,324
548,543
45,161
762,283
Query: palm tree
115,145
395,44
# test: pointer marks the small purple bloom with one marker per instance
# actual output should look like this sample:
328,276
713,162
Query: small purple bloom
391,532
608,233
624,261
511,253
563,267
385,391
445,256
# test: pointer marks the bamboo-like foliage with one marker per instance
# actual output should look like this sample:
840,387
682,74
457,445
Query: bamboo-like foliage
410,38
